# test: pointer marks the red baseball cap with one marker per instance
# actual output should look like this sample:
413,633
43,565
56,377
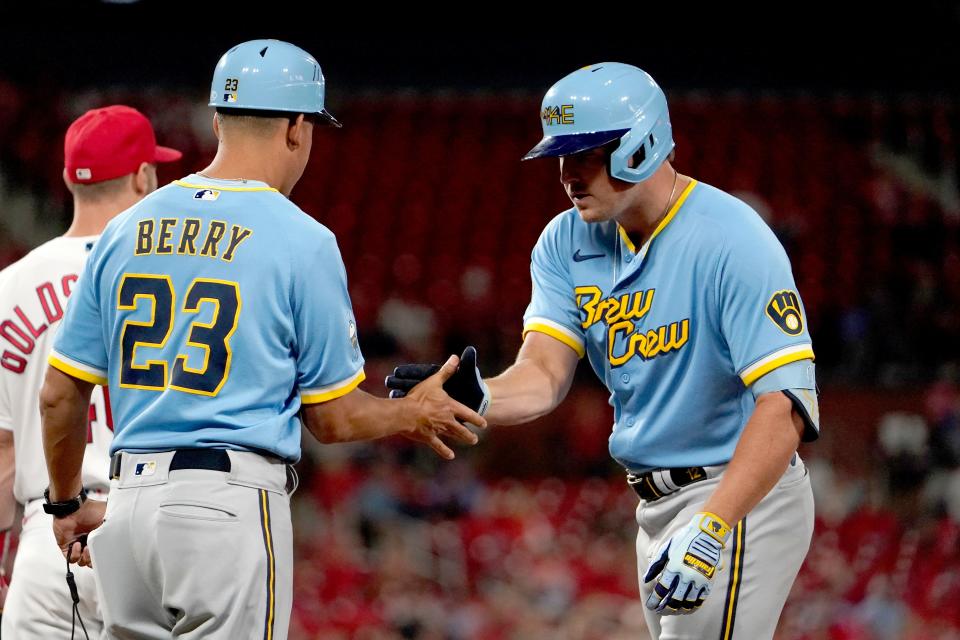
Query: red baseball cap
107,143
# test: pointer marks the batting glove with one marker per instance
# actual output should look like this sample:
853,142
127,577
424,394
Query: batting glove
466,386
687,565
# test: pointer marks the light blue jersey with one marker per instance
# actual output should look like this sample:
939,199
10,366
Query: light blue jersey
213,309
678,329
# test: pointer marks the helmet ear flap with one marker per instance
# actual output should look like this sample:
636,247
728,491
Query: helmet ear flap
629,155
641,154
645,148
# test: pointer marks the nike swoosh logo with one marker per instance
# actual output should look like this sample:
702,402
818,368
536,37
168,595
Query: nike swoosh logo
579,257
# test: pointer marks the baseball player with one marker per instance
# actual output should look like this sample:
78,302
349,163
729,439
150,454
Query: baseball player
110,156
217,311
684,303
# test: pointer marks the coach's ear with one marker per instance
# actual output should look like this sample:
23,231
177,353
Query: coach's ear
145,179
216,126
295,132
66,180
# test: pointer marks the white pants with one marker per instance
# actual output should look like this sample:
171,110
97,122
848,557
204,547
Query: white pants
38,604
760,561
192,553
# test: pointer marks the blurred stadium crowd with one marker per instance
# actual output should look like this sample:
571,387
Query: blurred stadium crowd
531,535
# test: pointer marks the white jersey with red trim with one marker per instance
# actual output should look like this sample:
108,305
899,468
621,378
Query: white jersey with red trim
33,297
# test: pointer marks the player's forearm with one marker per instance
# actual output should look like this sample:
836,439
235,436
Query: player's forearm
767,443
524,392
8,505
357,416
64,403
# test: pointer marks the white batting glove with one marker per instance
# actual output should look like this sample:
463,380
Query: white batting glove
686,566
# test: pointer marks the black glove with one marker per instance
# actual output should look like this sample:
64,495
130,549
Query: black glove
466,386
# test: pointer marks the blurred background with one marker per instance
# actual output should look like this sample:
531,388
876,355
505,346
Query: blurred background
843,136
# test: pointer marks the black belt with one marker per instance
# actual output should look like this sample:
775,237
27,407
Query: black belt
210,459
645,486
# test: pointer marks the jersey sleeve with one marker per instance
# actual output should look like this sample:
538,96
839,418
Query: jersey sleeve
761,315
329,362
79,349
553,304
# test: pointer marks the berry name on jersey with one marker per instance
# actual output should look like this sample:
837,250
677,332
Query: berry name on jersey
189,237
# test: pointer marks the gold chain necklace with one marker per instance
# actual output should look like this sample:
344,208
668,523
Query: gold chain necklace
666,209
616,255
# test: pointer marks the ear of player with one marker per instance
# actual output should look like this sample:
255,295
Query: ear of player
686,566
466,386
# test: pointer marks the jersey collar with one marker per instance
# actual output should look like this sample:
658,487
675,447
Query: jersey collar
667,219
194,181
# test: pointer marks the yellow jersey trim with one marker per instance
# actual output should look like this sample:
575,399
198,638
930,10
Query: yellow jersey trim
181,183
554,333
79,374
333,394
805,353
663,223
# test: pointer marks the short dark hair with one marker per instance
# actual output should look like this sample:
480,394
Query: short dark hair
99,190
232,112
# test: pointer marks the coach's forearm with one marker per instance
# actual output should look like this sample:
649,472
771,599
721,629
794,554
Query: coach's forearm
356,416
8,505
766,445
64,403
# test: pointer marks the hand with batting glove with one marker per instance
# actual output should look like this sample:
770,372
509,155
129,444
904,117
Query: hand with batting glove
466,386
686,566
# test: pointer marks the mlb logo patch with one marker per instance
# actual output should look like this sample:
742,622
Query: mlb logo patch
229,97
145,468
206,194
84,174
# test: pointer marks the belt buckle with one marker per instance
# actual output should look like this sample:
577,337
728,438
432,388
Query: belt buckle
635,482
643,486
115,465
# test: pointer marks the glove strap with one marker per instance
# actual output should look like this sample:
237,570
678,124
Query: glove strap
714,526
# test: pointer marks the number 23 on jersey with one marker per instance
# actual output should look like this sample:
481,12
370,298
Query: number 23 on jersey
213,337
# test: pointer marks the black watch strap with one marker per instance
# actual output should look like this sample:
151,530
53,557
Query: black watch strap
65,508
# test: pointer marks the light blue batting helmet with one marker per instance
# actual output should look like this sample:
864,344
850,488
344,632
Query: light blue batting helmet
601,103
270,75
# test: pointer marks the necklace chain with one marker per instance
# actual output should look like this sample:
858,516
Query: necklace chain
200,173
666,209
673,191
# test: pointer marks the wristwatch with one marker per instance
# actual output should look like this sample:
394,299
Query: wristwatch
65,508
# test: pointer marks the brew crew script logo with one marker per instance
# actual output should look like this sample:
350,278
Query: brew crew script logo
626,338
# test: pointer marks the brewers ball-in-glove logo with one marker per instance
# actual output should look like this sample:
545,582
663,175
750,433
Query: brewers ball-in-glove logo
784,310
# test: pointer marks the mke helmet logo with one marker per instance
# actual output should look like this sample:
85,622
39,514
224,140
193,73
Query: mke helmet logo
784,310
557,114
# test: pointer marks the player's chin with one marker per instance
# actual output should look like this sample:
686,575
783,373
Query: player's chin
590,213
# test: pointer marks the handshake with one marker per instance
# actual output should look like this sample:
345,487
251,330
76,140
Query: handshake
466,386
